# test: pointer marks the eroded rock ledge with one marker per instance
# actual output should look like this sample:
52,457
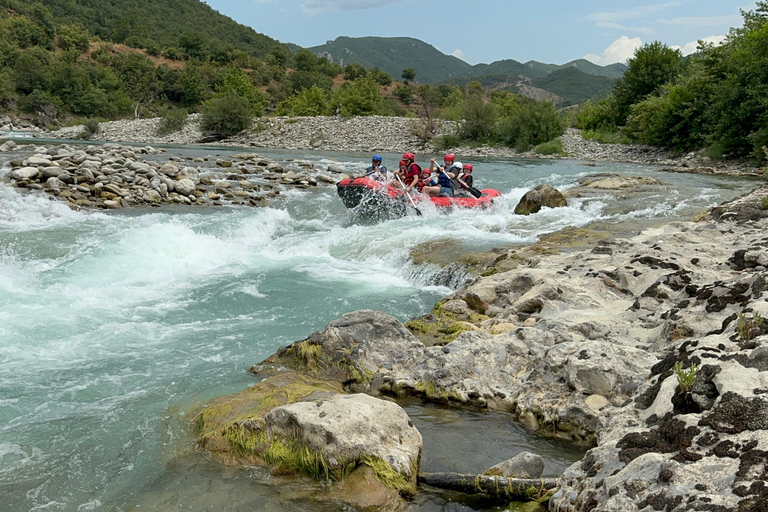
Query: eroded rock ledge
583,345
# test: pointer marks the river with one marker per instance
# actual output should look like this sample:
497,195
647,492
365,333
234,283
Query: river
115,325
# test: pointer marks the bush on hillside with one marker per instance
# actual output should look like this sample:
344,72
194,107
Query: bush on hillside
307,102
225,116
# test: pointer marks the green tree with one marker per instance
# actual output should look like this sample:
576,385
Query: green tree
354,71
237,83
299,80
225,116
409,74
193,44
358,98
138,78
72,37
536,122
305,60
25,34
307,102
653,65
29,70
379,76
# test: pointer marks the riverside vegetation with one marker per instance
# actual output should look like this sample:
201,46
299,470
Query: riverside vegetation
60,64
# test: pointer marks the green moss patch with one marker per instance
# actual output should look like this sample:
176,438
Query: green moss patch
232,426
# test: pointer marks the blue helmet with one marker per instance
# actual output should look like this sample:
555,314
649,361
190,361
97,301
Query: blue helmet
376,158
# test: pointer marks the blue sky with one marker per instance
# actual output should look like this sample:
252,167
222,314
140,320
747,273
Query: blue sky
555,31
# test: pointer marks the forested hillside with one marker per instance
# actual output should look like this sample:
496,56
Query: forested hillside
172,26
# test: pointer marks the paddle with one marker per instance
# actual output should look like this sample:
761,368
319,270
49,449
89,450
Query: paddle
454,182
472,190
418,212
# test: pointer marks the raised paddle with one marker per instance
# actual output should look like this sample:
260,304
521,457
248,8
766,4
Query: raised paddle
418,212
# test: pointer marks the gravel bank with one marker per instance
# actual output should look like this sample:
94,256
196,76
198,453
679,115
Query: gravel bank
387,134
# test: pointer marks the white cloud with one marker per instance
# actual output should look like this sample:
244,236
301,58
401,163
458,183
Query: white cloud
618,51
459,54
310,7
603,19
693,46
701,21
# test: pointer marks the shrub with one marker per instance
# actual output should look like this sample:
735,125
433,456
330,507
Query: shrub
748,328
537,122
90,128
447,141
686,378
225,116
553,147
172,121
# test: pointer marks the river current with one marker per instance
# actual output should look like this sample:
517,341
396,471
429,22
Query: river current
115,326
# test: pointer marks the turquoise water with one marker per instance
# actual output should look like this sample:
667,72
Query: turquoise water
114,325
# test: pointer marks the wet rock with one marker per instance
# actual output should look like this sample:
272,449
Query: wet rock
522,465
542,195
353,429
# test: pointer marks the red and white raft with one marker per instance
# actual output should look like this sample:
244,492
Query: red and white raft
373,197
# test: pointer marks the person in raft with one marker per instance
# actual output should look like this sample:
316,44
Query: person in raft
465,179
426,181
377,171
444,175
412,171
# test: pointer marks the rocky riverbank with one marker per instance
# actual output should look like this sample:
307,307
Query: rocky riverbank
373,134
652,349
116,176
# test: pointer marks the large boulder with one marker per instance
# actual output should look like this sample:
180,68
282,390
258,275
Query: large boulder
543,195
296,424
333,435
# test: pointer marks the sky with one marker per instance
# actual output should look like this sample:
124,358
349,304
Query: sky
484,31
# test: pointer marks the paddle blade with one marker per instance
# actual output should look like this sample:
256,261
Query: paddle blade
474,192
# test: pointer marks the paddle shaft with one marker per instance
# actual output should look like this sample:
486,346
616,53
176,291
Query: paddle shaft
418,212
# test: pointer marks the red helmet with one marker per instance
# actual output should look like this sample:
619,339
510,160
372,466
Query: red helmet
426,172
409,156
467,167
449,158
402,163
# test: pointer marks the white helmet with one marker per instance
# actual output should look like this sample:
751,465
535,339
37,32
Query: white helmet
457,165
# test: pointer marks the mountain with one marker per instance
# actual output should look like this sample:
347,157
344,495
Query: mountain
507,67
610,71
574,86
162,22
393,55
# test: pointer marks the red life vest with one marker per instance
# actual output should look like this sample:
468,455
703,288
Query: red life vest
413,170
